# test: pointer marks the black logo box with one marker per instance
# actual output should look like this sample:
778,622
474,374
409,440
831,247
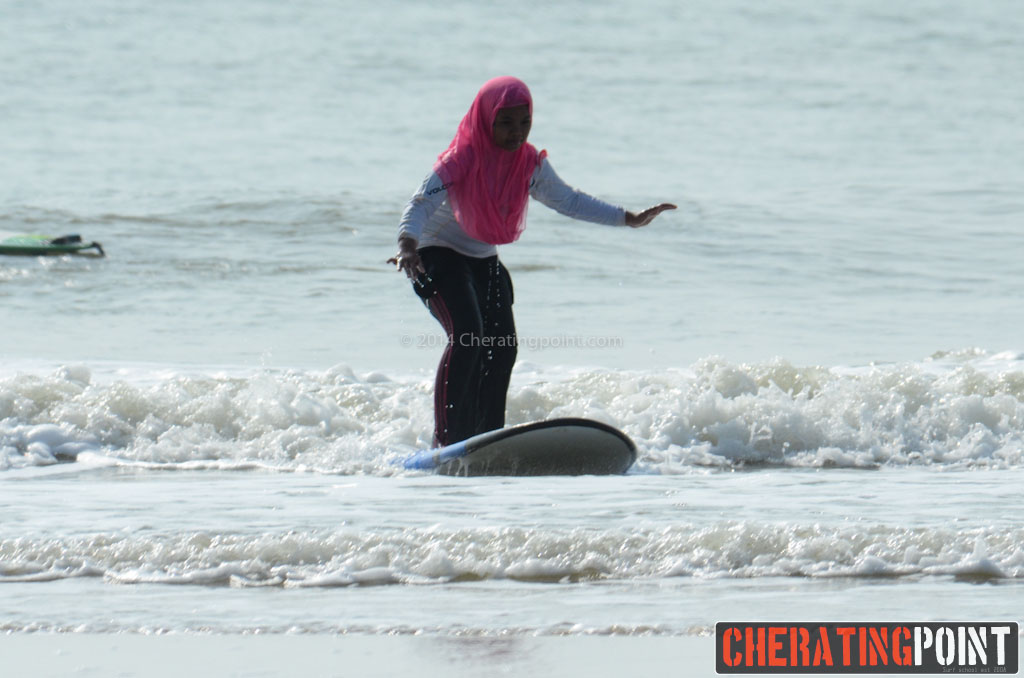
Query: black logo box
866,647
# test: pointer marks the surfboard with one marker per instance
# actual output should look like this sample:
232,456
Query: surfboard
39,245
568,447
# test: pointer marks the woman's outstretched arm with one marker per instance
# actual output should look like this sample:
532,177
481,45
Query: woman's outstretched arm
549,189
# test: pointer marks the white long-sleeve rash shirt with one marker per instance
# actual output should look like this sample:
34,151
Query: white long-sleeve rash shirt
428,218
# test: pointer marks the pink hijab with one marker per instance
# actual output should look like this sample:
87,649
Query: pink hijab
489,186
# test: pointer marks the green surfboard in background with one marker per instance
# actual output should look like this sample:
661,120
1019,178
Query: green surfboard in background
36,245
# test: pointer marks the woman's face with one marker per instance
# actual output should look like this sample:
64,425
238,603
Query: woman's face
511,127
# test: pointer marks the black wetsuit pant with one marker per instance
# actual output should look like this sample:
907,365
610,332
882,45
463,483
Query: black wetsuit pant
472,299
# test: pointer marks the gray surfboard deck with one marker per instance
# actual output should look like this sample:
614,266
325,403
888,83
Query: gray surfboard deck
553,447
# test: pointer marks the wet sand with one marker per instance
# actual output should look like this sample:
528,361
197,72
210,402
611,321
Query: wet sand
195,656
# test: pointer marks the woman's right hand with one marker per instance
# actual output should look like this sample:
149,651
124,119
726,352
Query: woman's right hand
407,259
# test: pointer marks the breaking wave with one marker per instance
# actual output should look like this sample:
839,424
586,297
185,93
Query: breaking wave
962,409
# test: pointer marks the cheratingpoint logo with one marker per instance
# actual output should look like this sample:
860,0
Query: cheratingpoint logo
866,647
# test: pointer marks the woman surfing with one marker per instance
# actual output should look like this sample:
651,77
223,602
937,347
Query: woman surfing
474,199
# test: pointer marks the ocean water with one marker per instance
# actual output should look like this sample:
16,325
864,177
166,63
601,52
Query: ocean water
819,354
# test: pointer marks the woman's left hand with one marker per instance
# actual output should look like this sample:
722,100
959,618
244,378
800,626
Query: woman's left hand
647,216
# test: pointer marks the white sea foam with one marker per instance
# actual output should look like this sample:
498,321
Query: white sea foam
727,549
456,632
965,410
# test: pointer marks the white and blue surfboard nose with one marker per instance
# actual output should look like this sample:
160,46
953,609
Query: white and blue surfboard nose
427,460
